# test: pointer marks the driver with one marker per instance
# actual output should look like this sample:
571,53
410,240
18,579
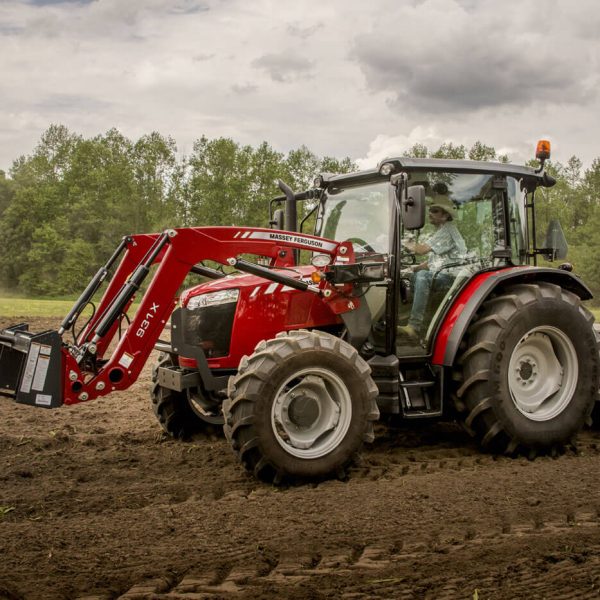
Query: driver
443,248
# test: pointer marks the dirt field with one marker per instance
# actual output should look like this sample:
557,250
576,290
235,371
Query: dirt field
97,503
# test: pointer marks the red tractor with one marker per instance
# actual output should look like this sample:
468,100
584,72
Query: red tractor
389,316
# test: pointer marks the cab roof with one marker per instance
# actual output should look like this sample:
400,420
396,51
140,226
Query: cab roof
529,174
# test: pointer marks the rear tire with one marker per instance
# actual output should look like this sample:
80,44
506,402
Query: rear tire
530,370
300,407
175,411
596,410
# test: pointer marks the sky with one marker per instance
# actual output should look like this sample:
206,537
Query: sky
342,77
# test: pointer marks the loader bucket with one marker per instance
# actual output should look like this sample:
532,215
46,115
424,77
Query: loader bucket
30,366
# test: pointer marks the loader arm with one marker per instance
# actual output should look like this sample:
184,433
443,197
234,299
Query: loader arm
87,369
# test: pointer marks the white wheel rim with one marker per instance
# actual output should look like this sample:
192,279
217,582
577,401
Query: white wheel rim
542,373
311,413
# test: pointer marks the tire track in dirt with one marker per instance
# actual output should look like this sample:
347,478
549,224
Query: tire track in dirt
384,571
391,458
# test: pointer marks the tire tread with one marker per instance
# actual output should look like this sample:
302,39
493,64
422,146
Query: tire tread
475,402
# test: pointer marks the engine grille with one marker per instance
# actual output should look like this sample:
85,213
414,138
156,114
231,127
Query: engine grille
210,328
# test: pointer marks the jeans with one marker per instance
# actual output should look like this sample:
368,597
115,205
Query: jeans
422,284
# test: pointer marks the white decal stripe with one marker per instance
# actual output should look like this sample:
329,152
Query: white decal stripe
28,374
41,371
271,288
246,234
291,238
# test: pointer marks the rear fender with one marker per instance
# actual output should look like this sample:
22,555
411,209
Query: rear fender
459,316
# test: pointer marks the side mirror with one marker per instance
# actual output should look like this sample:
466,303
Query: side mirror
555,242
413,207
278,218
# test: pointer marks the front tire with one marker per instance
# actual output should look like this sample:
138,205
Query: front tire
530,370
300,407
179,414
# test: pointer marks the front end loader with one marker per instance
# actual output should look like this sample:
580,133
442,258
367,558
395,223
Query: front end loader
48,370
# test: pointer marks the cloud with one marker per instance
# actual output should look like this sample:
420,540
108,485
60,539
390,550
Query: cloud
188,7
245,88
10,29
459,57
296,30
69,103
284,66
342,77
50,2
389,146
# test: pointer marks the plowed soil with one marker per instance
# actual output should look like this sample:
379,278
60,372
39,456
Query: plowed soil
95,502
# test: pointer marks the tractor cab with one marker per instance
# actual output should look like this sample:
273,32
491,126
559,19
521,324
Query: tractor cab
435,223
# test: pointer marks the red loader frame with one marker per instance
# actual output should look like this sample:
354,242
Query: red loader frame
85,371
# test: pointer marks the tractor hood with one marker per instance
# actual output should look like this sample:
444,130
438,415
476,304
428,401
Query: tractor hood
228,317
242,281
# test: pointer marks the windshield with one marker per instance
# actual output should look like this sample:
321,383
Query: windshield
360,214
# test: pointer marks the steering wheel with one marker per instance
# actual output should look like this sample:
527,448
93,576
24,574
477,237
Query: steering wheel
360,242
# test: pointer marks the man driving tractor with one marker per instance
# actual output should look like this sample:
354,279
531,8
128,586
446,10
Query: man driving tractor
444,247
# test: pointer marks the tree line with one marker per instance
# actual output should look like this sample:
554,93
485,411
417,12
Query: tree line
64,207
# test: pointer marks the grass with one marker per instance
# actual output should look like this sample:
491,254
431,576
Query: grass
4,510
11,307
32,307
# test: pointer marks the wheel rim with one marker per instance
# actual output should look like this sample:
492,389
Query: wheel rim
542,373
311,413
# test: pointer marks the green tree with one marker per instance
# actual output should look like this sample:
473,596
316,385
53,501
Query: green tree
267,167
37,199
156,173
480,151
6,192
584,238
302,166
64,207
418,151
74,198
329,164
449,150
43,260
572,172
218,182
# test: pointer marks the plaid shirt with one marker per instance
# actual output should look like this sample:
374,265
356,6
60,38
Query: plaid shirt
447,247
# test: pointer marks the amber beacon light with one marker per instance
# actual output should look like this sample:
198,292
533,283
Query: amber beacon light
542,151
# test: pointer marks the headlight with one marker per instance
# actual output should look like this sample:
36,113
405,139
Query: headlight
387,168
213,299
